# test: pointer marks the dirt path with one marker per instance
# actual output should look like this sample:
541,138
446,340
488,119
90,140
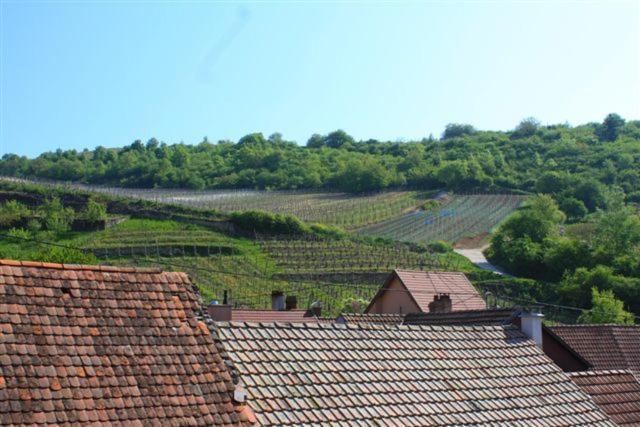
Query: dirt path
477,257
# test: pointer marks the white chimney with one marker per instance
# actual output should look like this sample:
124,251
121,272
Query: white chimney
531,325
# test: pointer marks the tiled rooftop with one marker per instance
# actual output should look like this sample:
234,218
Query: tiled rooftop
401,375
468,317
247,315
92,344
382,318
604,346
616,392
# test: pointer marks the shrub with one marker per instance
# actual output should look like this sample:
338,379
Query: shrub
440,246
94,211
269,223
12,212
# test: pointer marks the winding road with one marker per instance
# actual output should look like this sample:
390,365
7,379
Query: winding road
477,257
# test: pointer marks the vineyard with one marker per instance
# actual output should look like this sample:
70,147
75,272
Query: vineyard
340,209
455,217
313,269
328,257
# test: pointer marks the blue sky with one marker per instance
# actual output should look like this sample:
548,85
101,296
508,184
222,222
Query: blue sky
82,74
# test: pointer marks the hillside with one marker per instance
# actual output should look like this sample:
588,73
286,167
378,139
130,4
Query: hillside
313,266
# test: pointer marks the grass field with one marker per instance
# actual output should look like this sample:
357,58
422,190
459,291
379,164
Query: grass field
453,218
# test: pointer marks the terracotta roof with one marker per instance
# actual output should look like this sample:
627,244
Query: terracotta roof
87,344
604,346
401,375
487,317
616,392
247,315
424,285
382,318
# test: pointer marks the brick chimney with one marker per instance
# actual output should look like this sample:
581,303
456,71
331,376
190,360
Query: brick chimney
291,302
277,300
441,304
219,312
531,326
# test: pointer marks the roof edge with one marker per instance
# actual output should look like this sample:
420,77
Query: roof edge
57,266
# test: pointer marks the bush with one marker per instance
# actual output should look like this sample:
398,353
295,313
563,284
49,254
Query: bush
12,212
440,246
94,211
269,223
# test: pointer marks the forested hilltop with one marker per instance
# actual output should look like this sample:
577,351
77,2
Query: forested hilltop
532,158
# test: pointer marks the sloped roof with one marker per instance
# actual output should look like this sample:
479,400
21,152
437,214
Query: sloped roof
487,317
81,344
424,285
248,315
616,392
603,346
382,318
401,375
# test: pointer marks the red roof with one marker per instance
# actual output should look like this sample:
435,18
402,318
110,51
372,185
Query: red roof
617,393
603,346
291,316
91,344
425,285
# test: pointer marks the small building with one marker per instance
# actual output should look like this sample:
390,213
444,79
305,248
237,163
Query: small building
412,291
104,345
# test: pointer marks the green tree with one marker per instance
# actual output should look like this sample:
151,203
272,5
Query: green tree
605,308
453,130
573,208
337,139
315,141
610,128
527,127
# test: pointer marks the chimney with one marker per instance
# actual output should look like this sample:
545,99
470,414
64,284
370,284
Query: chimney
219,312
277,300
531,326
315,310
441,304
291,302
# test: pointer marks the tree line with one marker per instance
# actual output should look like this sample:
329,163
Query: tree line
529,158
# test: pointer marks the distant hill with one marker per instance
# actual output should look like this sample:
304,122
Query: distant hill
531,158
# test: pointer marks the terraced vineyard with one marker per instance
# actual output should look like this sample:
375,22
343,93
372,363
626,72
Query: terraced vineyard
327,257
457,217
341,209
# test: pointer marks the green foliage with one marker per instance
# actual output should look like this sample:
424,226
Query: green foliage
605,308
574,209
12,212
610,128
440,246
454,130
526,128
54,216
94,211
269,223
555,159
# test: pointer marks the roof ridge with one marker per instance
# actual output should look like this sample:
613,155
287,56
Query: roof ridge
361,326
594,326
92,267
600,372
